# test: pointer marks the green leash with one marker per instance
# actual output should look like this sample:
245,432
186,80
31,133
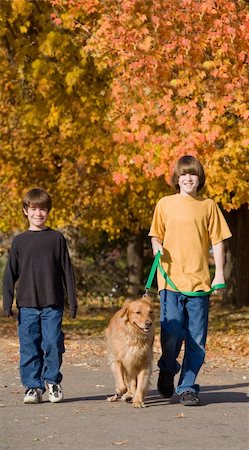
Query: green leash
156,264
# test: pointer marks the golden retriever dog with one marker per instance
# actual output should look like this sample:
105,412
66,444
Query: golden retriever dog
130,337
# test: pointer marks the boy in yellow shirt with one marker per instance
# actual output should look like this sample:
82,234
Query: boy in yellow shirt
184,226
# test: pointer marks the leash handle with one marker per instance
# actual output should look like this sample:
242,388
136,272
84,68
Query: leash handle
152,271
156,264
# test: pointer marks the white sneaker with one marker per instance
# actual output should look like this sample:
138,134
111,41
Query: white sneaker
55,393
33,395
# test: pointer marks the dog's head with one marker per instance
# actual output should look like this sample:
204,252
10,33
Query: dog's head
139,313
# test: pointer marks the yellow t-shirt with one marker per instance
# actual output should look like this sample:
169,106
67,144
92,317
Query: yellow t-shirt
187,226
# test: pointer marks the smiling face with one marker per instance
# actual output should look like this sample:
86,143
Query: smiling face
188,176
188,184
140,314
37,217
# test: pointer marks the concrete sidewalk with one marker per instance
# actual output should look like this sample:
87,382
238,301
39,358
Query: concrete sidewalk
85,420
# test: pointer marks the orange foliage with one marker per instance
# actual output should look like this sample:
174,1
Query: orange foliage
180,84
100,97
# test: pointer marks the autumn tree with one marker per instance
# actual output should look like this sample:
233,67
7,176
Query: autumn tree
103,97
180,85
53,100
54,129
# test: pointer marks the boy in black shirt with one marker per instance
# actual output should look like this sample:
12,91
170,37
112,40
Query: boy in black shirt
40,262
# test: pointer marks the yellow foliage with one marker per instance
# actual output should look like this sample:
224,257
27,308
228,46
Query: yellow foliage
23,29
53,117
83,55
43,86
49,45
209,64
66,129
174,82
68,20
20,7
72,78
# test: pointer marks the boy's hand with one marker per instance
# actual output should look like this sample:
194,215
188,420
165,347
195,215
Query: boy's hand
218,279
156,246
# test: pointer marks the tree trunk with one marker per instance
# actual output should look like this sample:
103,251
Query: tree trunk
237,258
135,264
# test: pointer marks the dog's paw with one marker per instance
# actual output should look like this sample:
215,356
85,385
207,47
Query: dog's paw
138,404
113,398
127,397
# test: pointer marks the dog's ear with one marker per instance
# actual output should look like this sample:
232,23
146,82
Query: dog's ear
125,308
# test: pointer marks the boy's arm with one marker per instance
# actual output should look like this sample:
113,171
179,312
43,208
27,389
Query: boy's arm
69,279
156,245
219,259
9,280
157,229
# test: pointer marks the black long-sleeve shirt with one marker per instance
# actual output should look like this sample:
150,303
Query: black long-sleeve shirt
40,266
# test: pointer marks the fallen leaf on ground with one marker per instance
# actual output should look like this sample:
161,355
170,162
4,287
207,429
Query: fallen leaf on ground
181,416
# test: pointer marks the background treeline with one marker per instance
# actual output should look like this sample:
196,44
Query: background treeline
98,99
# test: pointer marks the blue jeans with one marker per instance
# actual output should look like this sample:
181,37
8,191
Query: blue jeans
41,346
183,319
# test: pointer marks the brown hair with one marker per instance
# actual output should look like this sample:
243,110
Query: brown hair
37,198
188,164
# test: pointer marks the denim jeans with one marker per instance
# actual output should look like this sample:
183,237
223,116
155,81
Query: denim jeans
183,319
41,346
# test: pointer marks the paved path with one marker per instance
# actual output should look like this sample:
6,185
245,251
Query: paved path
85,420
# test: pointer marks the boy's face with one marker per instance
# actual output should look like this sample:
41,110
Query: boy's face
188,184
37,217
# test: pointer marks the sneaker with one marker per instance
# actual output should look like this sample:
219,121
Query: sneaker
189,398
55,392
33,395
165,384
